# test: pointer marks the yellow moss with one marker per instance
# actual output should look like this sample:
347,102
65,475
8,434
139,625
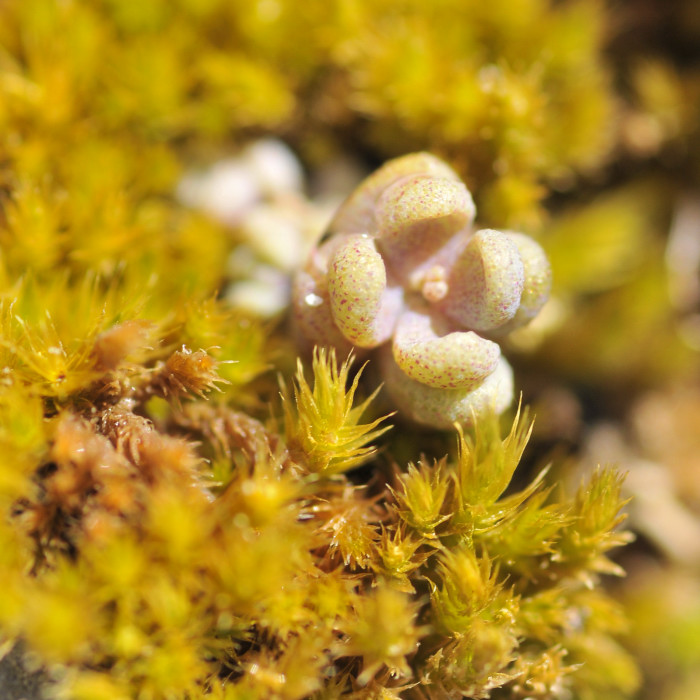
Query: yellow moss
323,430
126,556
384,632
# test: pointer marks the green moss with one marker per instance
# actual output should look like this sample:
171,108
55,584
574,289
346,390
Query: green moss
149,579
169,528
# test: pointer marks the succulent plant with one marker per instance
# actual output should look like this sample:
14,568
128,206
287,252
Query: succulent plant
401,269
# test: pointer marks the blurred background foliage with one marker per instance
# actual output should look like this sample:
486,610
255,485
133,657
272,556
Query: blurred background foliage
576,121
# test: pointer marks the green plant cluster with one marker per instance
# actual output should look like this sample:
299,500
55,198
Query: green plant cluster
162,534
515,94
159,547
621,250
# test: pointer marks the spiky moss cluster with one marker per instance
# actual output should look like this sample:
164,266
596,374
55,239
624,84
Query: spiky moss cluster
401,270
515,94
154,546
132,567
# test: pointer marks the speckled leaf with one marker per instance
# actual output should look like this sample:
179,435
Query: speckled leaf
313,318
457,360
363,308
357,213
441,408
486,282
417,215
538,280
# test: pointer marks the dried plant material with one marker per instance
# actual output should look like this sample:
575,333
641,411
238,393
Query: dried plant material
227,430
184,373
119,342
126,430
